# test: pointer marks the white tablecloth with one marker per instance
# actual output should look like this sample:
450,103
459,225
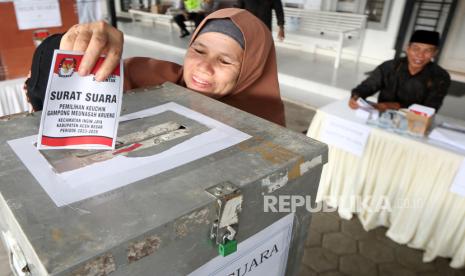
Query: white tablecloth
405,182
12,98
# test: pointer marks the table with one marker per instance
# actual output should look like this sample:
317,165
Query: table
12,98
412,174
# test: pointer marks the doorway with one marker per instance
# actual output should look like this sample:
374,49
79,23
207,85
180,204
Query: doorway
453,56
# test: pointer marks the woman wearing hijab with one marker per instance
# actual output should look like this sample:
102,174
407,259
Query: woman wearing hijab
231,57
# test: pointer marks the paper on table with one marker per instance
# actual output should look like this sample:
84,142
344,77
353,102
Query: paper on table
450,126
71,186
458,185
265,253
447,136
366,111
344,134
364,104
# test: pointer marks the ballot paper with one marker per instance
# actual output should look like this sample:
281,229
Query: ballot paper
80,112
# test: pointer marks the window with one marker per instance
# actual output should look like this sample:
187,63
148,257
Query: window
378,13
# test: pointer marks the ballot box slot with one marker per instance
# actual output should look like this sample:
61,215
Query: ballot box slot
15,116
138,137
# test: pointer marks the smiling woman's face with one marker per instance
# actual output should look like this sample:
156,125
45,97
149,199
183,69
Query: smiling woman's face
212,64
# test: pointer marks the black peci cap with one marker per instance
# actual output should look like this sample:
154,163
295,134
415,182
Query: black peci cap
426,37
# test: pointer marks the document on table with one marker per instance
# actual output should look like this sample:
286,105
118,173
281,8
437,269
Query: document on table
458,185
448,136
345,135
366,111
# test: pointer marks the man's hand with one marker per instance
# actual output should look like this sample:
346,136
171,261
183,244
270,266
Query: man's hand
281,33
95,39
353,102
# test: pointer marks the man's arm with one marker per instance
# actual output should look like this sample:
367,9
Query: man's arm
371,85
368,87
278,8
438,91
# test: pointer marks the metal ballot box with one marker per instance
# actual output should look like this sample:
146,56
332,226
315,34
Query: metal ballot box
235,211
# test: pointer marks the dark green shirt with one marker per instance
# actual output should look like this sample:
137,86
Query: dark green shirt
395,84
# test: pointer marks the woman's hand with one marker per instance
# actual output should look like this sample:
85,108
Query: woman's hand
95,39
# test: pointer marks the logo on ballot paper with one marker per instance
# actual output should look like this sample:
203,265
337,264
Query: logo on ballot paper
80,112
66,67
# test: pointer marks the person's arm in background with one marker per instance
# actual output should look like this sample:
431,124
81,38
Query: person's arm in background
278,8
209,6
216,5
438,91
240,4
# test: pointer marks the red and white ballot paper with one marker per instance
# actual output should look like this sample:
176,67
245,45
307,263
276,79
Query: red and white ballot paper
80,112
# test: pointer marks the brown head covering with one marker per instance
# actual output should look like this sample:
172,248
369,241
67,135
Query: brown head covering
257,88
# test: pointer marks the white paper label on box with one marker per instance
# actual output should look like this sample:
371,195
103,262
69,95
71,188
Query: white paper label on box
265,253
80,112
345,135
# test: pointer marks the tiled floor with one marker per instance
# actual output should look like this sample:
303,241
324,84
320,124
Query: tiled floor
340,247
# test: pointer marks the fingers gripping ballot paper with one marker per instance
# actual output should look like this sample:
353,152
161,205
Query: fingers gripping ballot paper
80,112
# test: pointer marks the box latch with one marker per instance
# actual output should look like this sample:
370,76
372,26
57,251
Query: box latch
18,262
224,228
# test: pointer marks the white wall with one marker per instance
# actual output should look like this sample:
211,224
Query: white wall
379,44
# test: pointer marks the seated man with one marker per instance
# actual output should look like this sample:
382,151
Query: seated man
405,81
195,10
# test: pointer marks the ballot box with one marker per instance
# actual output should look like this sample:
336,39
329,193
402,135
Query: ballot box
193,187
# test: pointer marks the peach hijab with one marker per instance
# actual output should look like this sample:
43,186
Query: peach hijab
257,88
